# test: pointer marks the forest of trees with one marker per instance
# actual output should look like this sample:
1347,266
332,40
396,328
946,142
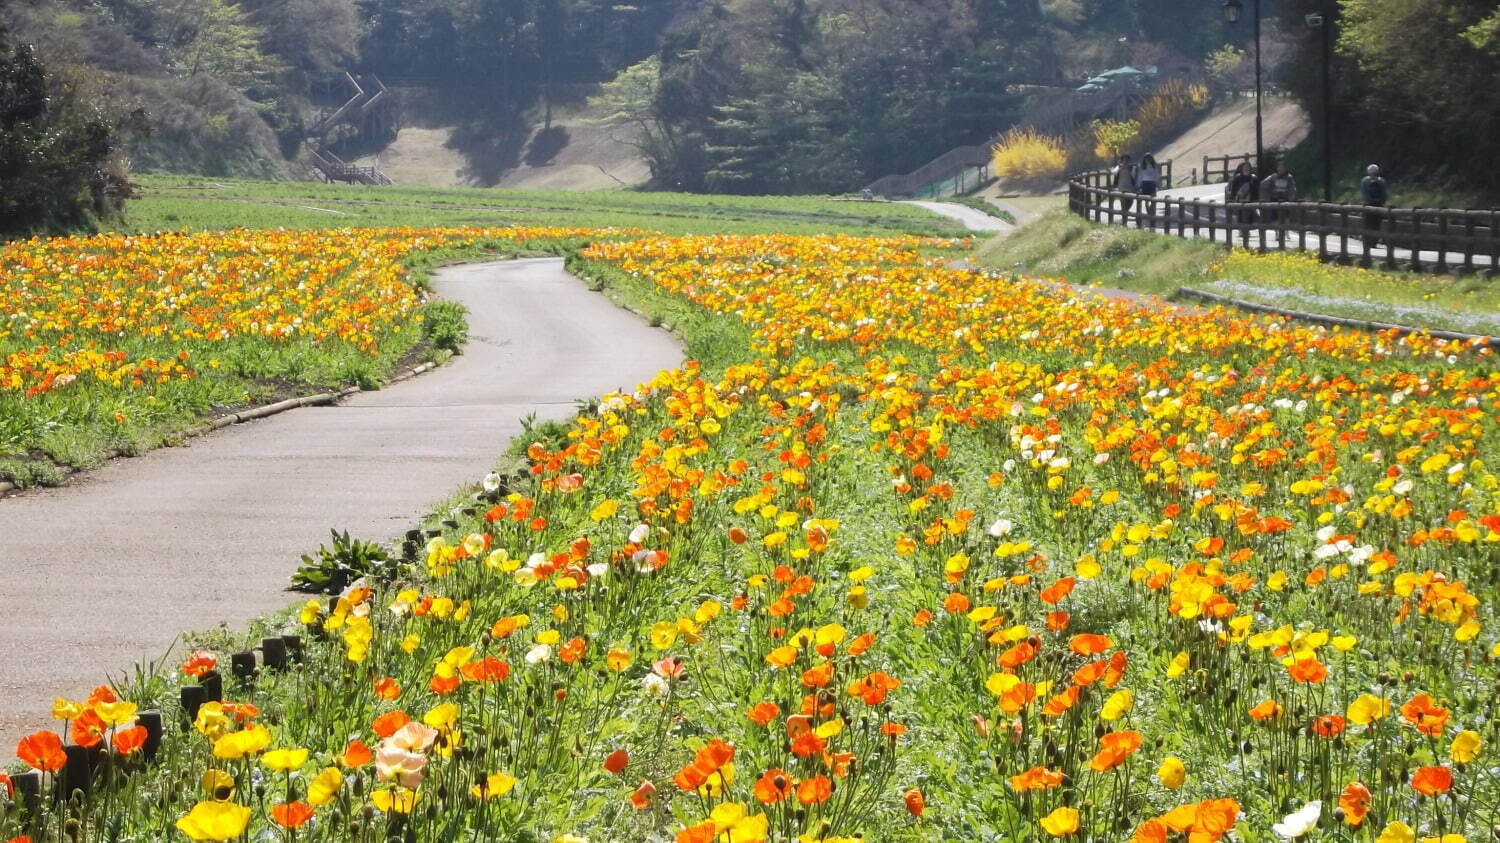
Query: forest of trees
751,96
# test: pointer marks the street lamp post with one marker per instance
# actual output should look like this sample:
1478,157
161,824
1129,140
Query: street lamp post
1233,10
1324,23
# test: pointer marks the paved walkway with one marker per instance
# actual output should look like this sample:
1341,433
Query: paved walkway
107,570
972,218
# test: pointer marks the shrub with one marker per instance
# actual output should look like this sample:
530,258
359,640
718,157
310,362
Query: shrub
444,326
1112,137
1029,154
1171,107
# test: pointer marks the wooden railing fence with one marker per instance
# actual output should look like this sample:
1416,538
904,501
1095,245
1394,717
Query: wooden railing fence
1435,240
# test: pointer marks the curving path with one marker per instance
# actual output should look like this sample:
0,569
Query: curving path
107,570
972,218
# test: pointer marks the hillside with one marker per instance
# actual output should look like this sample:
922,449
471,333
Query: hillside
579,151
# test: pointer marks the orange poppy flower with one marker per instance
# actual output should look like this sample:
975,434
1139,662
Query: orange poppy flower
1265,711
892,730
443,685
1215,818
808,744
1328,725
487,669
1057,621
357,754
1090,673
956,603
1090,644
1115,670
819,676
130,740
1114,748
387,688
703,832
641,797
199,663
1019,653
88,729
42,751
1060,703
922,618
1310,671
773,786
291,814
616,762
1425,716
1150,831
1037,778
1055,592
916,803
764,713
1355,802
1432,781
572,650
815,791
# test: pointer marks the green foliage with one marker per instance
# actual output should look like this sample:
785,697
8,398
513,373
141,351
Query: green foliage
1113,137
347,560
55,149
1416,88
443,324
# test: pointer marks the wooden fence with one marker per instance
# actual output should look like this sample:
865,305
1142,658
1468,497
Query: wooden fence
1218,168
1418,239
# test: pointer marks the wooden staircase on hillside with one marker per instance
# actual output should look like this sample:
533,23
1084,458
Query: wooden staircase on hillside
367,102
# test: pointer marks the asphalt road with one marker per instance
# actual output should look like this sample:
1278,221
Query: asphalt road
106,571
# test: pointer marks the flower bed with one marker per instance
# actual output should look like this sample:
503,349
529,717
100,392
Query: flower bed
105,339
912,553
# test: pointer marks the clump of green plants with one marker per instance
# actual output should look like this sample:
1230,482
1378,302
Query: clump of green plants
444,325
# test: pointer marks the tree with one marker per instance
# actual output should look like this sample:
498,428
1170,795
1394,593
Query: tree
55,149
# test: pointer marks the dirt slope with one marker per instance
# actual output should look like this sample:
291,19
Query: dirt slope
1231,129
575,153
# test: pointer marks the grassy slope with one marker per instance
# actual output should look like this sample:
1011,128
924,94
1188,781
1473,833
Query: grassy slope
1060,244
170,203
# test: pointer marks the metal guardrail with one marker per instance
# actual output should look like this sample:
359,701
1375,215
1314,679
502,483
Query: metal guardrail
1436,240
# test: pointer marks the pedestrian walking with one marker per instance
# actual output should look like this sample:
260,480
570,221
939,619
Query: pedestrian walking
1148,182
1374,193
1127,181
1241,189
1278,187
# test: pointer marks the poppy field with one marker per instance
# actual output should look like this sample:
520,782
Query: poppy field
908,553
114,341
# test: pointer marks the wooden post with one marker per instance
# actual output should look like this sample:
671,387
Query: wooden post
1470,244
1442,244
1390,247
151,721
192,698
1416,240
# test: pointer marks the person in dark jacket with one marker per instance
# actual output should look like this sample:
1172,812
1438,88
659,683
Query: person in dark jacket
1278,187
1126,181
1374,193
1241,188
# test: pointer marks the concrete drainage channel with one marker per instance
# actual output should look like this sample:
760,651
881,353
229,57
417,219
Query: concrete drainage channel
1333,321
251,414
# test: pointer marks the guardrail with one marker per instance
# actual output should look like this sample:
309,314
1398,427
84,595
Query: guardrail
1436,240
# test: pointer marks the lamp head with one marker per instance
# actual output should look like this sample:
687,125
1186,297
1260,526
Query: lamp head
1233,9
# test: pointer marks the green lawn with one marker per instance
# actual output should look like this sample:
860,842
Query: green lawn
171,203
1064,246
